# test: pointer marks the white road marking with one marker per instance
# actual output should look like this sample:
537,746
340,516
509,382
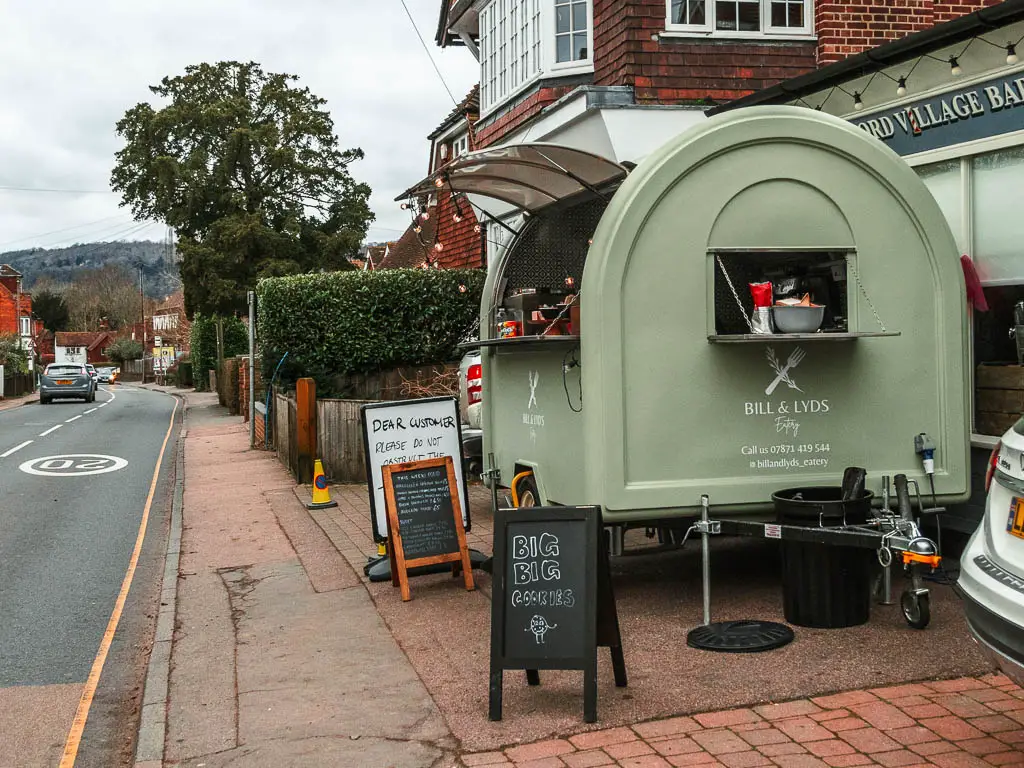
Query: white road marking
51,429
89,411
73,418
73,465
14,449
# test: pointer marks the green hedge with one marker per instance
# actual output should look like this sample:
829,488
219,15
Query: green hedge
340,323
204,345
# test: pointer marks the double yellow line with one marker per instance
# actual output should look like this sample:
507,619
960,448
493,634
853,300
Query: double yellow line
74,739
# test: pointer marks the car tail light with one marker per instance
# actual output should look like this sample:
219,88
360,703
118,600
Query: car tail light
474,383
992,461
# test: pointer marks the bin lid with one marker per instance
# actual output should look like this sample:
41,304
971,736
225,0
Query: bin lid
529,176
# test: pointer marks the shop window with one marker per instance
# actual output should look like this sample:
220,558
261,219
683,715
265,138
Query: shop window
820,276
997,405
944,182
996,209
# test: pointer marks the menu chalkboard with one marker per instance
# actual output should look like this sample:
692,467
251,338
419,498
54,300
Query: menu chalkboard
425,516
551,602
424,519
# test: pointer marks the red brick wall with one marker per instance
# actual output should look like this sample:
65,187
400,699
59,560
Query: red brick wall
521,113
9,308
845,27
674,70
462,247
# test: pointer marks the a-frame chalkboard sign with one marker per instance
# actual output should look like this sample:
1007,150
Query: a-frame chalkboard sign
424,519
551,601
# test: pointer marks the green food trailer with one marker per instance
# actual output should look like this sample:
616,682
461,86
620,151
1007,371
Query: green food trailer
625,364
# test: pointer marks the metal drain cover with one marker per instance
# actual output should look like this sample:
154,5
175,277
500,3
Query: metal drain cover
740,636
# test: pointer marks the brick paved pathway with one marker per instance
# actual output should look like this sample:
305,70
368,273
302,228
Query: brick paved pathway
962,723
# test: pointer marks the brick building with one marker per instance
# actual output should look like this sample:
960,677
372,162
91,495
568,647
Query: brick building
618,78
82,346
15,306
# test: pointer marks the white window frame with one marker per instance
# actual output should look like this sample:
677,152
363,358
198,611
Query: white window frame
25,325
767,30
513,58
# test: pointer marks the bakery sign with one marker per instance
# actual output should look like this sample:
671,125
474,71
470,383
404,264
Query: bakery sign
986,109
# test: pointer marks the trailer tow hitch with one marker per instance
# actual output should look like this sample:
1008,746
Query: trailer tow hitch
887,533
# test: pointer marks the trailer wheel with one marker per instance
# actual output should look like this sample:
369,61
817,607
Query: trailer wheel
916,609
524,491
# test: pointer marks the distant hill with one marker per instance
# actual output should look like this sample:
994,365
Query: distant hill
61,264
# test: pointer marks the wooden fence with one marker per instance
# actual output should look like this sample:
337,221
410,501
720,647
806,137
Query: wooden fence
339,440
16,384
339,434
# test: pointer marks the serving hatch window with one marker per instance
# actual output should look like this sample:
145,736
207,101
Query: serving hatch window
746,281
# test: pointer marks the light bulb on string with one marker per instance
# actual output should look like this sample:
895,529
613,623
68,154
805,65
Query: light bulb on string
439,182
404,206
462,289
569,282
417,229
1011,53
425,215
456,218
954,67
901,87
476,228
438,246
857,103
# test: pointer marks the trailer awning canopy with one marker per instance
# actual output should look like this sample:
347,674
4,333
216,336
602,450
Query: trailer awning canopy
528,176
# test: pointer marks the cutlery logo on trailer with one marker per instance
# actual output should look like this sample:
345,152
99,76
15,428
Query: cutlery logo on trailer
782,371
73,465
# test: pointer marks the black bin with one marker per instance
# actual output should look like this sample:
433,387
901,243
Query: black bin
824,586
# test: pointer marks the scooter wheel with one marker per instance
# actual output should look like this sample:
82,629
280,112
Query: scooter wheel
916,609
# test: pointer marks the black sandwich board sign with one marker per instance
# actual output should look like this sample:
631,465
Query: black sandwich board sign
551,601
410,430
424,519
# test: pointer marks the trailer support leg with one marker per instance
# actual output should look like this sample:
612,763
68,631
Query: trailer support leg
705,551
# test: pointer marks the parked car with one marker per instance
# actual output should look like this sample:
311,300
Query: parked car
992,566
66,380
470,408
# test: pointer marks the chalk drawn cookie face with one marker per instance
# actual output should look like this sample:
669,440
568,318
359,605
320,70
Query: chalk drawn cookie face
539,626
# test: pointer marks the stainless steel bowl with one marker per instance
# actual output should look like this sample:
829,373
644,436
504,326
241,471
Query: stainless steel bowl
797,319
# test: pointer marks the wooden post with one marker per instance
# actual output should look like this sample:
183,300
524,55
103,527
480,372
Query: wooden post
305,396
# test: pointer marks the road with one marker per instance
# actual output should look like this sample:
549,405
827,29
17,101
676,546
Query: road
68,528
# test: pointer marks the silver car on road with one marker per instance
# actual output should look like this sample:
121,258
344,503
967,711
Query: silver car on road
66,380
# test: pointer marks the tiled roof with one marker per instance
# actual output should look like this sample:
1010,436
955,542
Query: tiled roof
6,270
87,339
412,248
468,106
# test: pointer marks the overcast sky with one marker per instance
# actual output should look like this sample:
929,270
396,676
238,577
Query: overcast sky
70,69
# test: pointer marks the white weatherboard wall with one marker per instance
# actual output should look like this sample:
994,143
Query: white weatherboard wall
70,355
411,430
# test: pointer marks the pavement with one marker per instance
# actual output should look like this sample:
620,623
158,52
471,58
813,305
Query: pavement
15,402
281,653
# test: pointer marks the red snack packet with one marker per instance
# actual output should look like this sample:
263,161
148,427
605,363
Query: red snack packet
761,293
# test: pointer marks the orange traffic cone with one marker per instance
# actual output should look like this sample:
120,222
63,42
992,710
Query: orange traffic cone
321,496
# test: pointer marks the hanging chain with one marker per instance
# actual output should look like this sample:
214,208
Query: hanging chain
735,295
864,293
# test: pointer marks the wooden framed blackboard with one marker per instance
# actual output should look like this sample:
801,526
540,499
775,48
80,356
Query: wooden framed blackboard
403,431
551,599
424,519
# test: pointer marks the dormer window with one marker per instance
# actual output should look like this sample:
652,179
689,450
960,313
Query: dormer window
741,18
524,40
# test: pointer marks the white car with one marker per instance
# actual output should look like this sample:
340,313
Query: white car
992,566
